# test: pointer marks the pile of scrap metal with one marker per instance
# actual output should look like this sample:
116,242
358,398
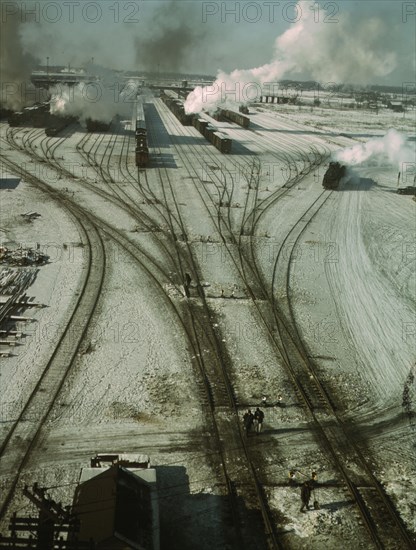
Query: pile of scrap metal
13,283
22,256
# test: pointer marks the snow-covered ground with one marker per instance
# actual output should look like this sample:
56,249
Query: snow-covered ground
135,385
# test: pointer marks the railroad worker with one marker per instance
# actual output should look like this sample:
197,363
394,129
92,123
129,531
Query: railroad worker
314,480
279,401
259,417
248,420
305,495
264,400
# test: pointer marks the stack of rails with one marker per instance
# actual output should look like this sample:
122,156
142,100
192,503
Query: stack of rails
219,140
142,150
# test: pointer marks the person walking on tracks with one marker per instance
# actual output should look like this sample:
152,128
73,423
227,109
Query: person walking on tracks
259,417
305,495
248,420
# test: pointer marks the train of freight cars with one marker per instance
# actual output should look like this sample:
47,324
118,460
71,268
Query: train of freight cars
221,141
177,108
333,175
231,116
30,116
39,116
142,149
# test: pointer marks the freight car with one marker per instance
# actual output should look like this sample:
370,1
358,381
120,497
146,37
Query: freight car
56,124
231,116
333,175
30,116
237,118
209,131
142,150
178,110
142,155
221,142
243,109
140,120
200,124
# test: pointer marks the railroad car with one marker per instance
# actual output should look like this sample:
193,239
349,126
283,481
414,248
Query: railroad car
244,109
140,120
200,124
218,115
209,131
142,155
221,142
409,190
333,175
177,108
30,116
55,124
237,118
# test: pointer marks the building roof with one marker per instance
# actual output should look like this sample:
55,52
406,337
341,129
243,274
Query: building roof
114,509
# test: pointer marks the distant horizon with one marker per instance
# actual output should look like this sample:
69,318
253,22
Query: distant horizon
398,88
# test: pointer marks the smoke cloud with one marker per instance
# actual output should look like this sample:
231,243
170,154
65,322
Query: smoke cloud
16,65
393,147
99,100
174,36
352,49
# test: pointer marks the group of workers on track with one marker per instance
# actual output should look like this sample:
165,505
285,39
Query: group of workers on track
253,422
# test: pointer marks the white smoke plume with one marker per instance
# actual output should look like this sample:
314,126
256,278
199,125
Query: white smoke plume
393,147
353,49
99,100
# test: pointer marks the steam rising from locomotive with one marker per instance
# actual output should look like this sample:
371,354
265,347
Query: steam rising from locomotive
94,100
393,148
348,48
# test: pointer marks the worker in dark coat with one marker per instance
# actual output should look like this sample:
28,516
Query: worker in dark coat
305,495
248,420
258,417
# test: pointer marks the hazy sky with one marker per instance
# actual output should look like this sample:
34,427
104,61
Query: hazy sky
343,40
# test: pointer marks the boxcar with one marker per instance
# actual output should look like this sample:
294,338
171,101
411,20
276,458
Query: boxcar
237,118
209,131
222,142
142,156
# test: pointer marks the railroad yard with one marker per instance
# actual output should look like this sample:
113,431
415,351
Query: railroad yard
184,285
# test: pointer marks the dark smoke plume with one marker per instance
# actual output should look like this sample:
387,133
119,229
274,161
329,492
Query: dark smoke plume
16,64
172,40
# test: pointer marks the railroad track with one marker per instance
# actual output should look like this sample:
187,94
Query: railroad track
381,519
24,433
362,496
241,478
131,248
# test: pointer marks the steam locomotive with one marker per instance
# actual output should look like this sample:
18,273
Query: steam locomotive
333,175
